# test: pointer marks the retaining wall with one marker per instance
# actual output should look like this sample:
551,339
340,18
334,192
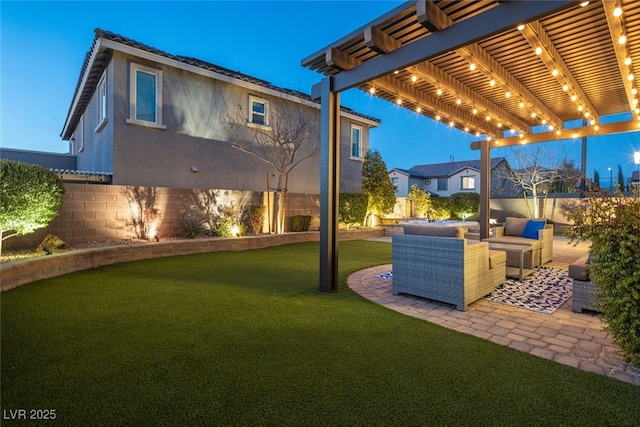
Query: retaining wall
18,273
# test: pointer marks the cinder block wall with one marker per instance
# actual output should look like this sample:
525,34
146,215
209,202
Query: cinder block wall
92,212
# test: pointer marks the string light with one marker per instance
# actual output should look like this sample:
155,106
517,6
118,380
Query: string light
521,104
622,39
414,78
472,67
475,111
492,82
617,12
630,77
418,109
565,87
554,73
538,51
372,90
438,117
439,91
627,61
399,101
507,94
458,101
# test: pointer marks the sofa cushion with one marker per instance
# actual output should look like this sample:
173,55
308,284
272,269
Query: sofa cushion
535,244
426,230
496,258
532,228
579,270
514,226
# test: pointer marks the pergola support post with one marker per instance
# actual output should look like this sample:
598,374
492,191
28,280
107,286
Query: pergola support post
485,188
329,184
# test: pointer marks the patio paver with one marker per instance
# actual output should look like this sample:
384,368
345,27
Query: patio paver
572,339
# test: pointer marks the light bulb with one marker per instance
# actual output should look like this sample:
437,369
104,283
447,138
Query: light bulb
507,95
466,128
398,101
634,91
630,77
488,118
622,39
521,104
414,78
492,82
554,73
565,88
520,27
627,60
418,110
458,101
372,90
538,50
439,91
475,111
472,67
533,115
617,11
438,117
573,97
580,107
451,123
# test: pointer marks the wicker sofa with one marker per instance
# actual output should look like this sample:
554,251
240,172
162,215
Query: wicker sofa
512,232
585,292
446,269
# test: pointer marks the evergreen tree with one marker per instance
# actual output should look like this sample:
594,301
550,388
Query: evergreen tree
377,185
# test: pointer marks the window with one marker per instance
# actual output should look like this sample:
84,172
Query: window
145,96
394,182
427,181
443,184
258,111
468,182
356,148
102,103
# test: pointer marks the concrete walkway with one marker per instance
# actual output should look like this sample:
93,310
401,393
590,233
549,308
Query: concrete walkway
574,339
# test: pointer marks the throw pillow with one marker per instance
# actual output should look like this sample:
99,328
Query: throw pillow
514,226
532,228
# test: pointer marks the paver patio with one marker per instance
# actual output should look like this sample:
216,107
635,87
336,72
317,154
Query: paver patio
574,339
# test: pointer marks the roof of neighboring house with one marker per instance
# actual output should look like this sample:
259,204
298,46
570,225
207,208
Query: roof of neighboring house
99,56
441,170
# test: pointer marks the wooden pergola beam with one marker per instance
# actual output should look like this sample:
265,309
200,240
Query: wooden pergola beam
537,37
429,72
417,97
379,41
576,133
616,29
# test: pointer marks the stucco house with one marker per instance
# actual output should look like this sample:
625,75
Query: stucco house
445,179
151,118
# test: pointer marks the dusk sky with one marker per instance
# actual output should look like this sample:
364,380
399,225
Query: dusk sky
43,45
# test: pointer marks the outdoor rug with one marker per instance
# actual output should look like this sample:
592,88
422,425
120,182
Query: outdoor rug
543,291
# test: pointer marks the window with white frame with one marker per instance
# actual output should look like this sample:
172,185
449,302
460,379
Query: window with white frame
102,103
356,142
394,182
258,111
443,184
468,182
145,96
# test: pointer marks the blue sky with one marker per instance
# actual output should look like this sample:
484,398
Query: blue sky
43,44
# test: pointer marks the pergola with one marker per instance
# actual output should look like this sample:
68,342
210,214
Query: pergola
510,72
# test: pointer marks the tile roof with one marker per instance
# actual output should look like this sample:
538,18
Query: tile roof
448,169
92,71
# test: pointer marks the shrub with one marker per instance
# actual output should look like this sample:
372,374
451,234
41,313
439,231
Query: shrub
464,205
301,223
421,201
613,226
352,208
192,224
256,218
440,208
226,227
30,196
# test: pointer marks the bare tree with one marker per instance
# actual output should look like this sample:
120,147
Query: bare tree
288,135
537,169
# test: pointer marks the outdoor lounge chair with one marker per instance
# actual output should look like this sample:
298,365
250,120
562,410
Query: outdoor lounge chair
446,269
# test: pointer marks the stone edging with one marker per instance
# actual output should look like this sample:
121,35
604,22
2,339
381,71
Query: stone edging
17,273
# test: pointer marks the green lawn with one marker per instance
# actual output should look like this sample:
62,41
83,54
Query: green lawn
245,338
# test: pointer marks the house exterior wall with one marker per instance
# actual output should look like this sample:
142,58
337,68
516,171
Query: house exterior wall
403,187
194,111
93,146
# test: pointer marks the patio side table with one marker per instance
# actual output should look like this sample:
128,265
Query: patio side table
519,271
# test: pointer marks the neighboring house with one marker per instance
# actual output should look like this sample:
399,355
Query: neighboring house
633,182
150,118
445,179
